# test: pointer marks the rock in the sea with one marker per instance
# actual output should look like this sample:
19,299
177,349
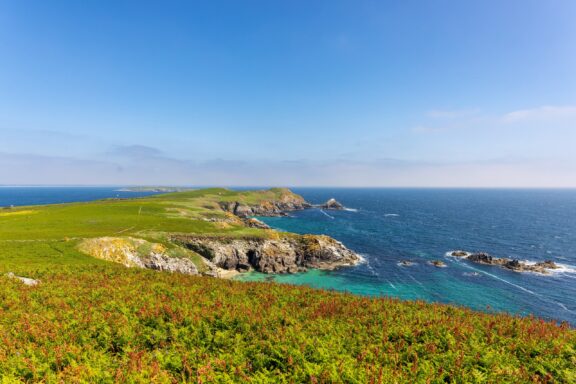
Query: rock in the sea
549,264
438,263
481,257
459,253
406,263
512,264
332,204
290,254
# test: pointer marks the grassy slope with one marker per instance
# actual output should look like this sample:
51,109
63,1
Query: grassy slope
91,319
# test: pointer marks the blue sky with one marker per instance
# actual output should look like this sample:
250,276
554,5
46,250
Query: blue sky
297,93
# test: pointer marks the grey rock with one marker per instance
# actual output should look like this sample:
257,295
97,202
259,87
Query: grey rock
26,280
255,223
162,262
286,255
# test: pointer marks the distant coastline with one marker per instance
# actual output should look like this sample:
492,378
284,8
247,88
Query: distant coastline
155,189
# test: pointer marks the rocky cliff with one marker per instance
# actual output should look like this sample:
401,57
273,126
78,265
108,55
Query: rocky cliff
138,253
284,202
288,254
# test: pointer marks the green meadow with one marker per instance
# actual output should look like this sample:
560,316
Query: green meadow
91,320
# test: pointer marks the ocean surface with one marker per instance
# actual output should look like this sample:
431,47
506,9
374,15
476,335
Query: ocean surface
387,226
19,196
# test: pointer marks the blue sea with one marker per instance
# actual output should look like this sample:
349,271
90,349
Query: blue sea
19,196
387,226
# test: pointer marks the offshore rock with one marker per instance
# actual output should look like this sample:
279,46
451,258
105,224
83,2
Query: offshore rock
511,264
289,254
332,204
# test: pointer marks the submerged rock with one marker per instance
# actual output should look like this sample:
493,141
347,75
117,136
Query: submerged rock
406,263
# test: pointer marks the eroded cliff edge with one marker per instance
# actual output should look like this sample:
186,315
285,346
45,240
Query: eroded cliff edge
288,253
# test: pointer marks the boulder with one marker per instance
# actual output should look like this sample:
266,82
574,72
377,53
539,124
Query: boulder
255,223
26,280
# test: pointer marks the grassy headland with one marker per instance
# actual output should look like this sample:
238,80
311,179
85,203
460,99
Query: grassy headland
95,320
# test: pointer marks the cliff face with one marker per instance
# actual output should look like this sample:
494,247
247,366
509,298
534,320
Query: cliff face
137,253
285,255
285,201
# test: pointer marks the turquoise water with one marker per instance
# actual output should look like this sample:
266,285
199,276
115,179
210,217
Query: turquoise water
420,225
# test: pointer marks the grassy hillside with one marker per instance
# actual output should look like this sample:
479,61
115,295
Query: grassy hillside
92,320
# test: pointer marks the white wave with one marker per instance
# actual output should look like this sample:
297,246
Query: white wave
403,264
393,286
351,209
541,297
563,268
332,217
505,281
363,259
391,215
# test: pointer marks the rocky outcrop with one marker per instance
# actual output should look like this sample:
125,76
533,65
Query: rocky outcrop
289,254
438,263
255,223
266,208
512,264
25,280
332,204
138,253
285,201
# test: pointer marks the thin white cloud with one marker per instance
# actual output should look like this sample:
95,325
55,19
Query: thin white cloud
543,113
32,169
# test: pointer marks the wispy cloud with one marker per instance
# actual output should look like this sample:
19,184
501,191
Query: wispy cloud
543,113
32,169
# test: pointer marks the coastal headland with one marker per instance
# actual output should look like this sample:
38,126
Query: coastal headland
193,232
119,290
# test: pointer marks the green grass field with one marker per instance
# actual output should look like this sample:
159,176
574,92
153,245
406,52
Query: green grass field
91,320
